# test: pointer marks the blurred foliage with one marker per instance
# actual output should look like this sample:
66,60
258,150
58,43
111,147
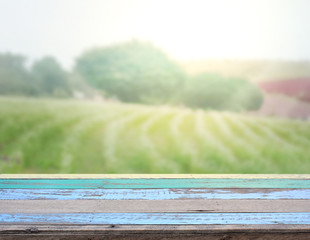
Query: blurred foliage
14,77
50,77
132,72
135,71
210,91
46,77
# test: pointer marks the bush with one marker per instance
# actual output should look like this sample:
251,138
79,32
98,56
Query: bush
132,72
210,91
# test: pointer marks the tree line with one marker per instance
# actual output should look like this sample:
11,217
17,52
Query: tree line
135,72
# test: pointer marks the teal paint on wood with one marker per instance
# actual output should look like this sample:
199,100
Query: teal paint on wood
152,194
151,183
156,218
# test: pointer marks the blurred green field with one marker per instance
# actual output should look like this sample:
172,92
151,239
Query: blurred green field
67,136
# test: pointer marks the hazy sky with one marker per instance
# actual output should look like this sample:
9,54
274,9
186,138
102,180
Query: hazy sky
187,29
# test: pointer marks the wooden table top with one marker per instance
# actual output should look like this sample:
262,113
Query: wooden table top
154,206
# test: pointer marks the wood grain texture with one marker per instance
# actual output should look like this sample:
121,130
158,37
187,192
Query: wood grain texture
189,231
22,228
156,218
121,176
153,206
139,206
151,183
160,235
153,194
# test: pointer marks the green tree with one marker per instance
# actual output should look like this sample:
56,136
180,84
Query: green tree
210,91
132,72
50,77
14,77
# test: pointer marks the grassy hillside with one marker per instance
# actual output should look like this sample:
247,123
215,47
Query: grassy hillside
52,136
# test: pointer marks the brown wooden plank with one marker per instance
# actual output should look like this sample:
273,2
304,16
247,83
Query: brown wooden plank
50,228
161,236
122,206
215,232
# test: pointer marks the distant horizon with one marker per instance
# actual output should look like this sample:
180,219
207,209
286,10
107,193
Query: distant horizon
30,61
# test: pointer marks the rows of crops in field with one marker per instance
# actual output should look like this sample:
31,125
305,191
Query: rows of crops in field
49,136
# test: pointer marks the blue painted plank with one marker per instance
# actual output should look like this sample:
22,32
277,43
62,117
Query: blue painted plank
157,218
152,183
152,194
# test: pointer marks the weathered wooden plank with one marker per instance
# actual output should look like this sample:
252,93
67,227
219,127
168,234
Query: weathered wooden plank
124,228
139,232
156,218
218,232
153,194
157,206
121,176
152,183
158,235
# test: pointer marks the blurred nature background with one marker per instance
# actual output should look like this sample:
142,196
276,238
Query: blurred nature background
154,86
